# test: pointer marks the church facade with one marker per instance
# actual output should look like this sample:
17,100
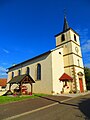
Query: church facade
57,71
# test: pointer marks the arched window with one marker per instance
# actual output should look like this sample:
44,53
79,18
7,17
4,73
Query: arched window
19,72
38,72
63,37
78,62
80,73
12,74
75,37
27,71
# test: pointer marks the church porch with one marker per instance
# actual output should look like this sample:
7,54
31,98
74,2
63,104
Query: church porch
67,83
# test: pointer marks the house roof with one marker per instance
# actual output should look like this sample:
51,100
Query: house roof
18,79
65,77
3,82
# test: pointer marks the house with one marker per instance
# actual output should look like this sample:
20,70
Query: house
3,83
57,71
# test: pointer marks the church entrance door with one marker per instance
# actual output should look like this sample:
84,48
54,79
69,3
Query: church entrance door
81,84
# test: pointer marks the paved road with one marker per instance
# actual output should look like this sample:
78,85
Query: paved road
12,109
74,109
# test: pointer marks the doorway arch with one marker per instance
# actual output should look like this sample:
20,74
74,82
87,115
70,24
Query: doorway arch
80,78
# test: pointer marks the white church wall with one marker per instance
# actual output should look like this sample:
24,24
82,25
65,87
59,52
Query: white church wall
45,84
40,86
57,70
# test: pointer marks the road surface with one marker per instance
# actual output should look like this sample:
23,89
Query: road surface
53,109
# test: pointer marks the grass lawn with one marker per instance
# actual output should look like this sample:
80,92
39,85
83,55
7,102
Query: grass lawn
8,99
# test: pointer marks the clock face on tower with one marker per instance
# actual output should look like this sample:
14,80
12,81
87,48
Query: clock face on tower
76,49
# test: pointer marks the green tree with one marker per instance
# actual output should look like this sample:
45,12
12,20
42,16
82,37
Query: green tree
87,76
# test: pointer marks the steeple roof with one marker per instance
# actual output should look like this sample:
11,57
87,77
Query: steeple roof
66,26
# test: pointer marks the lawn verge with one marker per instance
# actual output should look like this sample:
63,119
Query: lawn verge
11,98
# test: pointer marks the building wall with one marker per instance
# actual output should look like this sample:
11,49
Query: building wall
40,86
72,33
73,72
66,57
0,87
73,62
57,70
77,70
67,38
45,84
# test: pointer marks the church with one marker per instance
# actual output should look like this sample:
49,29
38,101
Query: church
58,71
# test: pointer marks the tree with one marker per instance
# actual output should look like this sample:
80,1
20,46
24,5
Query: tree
87,76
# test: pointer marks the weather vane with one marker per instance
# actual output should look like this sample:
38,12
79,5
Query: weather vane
65,12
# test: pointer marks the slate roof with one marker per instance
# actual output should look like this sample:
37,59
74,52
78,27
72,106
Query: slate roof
48,52
66,26
18,79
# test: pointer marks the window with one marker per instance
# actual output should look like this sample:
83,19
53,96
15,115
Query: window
59,52
63,37
19,72
12,74
75,37
28,70
78,62
38,72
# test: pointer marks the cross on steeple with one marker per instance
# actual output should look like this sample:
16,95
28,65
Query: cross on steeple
66,26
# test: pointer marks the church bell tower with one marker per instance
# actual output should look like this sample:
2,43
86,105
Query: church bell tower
68,39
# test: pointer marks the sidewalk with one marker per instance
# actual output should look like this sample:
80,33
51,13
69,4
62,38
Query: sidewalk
75,94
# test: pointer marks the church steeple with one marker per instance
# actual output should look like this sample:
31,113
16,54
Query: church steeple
66,26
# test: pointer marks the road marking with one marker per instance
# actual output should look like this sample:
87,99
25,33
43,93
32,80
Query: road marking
67,99
71,98
38,109
29,112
